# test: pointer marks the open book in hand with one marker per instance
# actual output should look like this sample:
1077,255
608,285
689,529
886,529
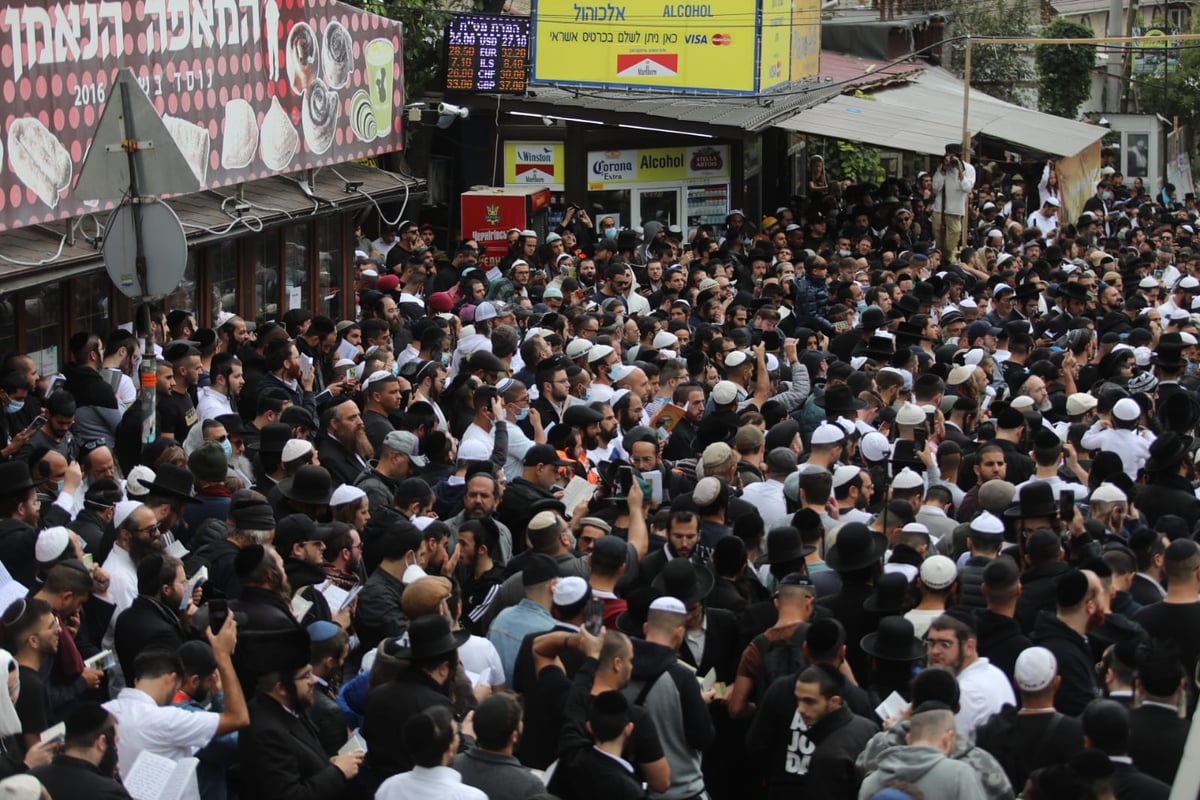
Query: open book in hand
155,777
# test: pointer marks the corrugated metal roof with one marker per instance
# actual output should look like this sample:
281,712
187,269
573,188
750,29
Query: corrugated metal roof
923,115
837,73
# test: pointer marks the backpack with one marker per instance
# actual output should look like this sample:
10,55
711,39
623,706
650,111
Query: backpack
779,659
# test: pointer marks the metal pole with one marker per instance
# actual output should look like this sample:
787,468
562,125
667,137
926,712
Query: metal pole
966,139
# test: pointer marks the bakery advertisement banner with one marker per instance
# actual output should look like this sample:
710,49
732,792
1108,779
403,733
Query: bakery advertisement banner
246,88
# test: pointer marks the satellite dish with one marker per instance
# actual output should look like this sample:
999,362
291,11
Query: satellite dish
165,249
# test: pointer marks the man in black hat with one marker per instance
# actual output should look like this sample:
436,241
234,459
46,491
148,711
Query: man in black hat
432,655
301,543
18,519
86,766
856,556
1169,473
250,522
280,752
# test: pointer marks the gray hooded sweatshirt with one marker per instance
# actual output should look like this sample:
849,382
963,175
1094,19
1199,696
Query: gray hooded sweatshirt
928,769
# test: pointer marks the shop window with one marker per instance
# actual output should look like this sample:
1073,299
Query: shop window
92,304
8,323
613,203
297,263
185,295
44,326
223,277
331,265
266,276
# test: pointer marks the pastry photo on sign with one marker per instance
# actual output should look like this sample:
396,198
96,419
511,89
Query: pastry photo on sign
240,135
279,139
301,53
337,57
38,159
193,141
319,116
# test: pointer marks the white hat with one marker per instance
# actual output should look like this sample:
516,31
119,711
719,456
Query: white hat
910,414
1051,201
993,232
51,543
874,446
828,433
485,311
1001,287
1080,403
378,376
1035,669
706,492
295,449
527,232
123,510
960,374
672,604
598,352
909,571
577,347
569,591
1108,493
370,273
707,283
736,358
915,527
1148,282
1142,356
137,480
346,493
907,479
771,361
1187,282
843,475
474,450
938,572
664,340
724,393
1126,409
620,372
968,302
987,524
1021,402
20,787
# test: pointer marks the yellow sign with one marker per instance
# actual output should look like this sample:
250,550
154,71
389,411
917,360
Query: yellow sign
656,165
775,44
708,46
806,39
534,164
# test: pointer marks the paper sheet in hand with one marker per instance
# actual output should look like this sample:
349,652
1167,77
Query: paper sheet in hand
654,478
10,590
576,492
155,777
300,606
892,706
355,744
54,732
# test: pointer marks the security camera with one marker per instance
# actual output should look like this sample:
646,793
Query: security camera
446,109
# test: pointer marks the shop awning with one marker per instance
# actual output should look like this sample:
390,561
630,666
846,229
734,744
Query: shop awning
921,116
43,255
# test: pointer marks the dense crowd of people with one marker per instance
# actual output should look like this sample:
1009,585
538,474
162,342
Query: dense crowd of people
820,506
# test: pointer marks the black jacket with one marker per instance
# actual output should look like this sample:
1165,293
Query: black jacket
1156,739
299,396
303,577
1075,664
378,615
1144,591
1116,628
1171,494
343,465
91,529
516,508
721,652
970,582
847,607
17,542
74,777
1023,743
282,758
146,625
1129,783
1000,641
218,557
598,776
1038,587
328,720
389,706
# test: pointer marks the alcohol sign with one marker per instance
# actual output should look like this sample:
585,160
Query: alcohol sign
608,168
487,53
246,88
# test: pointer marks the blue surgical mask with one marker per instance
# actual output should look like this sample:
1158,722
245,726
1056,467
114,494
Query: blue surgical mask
58,487
862,306
522,414
227,446
445,359
611,233
396,368
14,406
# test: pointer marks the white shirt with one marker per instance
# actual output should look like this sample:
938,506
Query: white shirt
428,783
983,689
406,355
476,433
767,496
600,393
127,392
695,639
383,247
518,446
481,661
212,403
165,730
1046,225
1059,485
957,190
1133,448
920,619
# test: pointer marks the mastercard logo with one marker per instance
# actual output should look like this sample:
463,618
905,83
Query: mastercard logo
722,39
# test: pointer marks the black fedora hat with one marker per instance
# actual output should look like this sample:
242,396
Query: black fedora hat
273,437
856,547
1072,291
1024,291
429,637
890,595
311,484
881,348
893,640
909,304
688,581
1169,355
172,481
923,292
15,478
839,397
1178,411
1168,451
785,544
631,621
1034,500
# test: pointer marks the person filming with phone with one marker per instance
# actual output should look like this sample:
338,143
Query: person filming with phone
952,185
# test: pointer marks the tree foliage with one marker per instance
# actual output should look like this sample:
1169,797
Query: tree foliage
1002,71
860,163
1182,97
1064,70
424,26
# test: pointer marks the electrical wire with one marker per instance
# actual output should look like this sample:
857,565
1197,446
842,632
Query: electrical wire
382,216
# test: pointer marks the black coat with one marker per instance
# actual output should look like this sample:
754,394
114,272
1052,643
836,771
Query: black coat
1168,495
847,607
74,777
328,721
597,776
1075,664
343,465
282,757
146,625
1156,739
1129,783
516,508
1144,591
1000,641
91,529
218,557
970,582
17,541
389,706
1039,585
543,722
721,651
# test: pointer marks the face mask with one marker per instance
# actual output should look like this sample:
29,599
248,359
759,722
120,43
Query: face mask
14,407
58,487
862,306
611,233
396,369
1106,195
843,253
183,602
746,243
522,414
445,359
227,446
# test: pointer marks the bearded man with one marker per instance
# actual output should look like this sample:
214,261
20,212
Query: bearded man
344,449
